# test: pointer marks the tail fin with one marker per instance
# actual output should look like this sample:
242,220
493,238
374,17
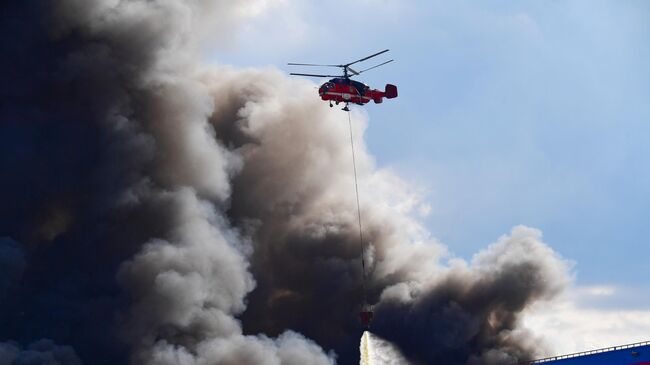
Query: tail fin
390,91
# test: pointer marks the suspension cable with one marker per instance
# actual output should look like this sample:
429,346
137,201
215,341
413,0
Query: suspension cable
356,188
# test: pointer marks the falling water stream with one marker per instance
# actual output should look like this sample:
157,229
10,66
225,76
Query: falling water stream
377,351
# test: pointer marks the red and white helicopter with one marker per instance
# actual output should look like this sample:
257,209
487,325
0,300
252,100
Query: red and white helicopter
342,89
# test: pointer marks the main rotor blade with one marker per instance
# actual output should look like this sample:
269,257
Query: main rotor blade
370,68
311,64
365,58
313,75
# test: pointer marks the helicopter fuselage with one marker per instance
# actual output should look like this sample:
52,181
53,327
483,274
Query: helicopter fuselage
345,90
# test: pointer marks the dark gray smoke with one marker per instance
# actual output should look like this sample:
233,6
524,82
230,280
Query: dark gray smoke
162,211
475,310
39,352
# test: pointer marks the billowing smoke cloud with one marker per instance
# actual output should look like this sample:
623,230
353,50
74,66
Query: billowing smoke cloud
475,309
163,211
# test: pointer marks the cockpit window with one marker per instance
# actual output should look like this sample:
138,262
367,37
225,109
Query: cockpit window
326,87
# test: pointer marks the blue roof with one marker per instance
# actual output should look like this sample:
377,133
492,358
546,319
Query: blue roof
632,354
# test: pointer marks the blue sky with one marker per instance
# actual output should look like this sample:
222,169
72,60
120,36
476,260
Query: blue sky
510,112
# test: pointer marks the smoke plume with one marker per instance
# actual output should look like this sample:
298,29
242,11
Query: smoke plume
159,210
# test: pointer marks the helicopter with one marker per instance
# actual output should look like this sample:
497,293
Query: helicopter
342,89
